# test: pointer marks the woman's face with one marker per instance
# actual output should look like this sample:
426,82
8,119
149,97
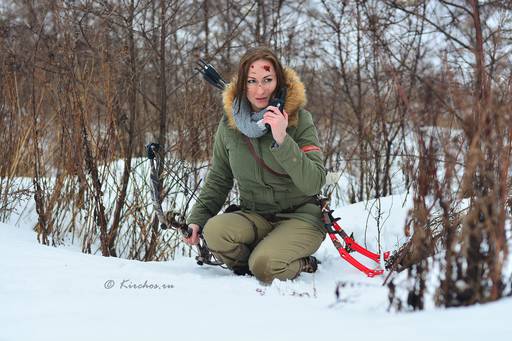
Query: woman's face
261,83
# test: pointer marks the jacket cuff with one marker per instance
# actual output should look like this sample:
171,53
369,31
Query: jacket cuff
200,222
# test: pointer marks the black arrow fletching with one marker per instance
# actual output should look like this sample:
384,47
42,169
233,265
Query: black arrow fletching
211,75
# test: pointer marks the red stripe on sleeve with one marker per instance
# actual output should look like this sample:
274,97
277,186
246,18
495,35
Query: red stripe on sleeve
306,149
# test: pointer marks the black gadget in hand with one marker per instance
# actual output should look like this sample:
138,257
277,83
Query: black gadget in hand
278,101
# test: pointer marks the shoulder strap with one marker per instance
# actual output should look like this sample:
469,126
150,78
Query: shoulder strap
260,160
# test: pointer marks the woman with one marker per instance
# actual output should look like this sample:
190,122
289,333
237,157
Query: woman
278,172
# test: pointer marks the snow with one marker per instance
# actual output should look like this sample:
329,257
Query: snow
49,293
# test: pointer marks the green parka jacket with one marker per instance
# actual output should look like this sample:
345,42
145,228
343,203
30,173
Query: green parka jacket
299,156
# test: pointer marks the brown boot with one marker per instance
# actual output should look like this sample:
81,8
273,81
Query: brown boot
309,264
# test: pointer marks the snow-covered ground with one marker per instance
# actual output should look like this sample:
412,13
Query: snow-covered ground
51,293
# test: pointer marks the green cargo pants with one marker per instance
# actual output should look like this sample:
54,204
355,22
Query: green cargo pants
268,249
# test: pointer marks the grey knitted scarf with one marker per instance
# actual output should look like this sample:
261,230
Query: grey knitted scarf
249,123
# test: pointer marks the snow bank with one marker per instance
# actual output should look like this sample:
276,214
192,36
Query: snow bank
60,294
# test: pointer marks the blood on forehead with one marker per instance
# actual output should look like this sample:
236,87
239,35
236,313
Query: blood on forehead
265,67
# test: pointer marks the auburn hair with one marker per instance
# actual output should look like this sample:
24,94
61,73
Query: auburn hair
252,55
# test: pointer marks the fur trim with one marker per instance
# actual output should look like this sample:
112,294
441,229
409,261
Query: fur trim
295,98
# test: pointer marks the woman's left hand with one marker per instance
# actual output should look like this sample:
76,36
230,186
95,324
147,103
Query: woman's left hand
278,123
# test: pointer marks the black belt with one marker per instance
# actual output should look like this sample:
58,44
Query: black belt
272,217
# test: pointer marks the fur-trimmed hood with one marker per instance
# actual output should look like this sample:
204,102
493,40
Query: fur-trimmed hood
295,98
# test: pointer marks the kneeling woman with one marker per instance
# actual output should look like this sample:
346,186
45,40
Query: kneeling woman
278,171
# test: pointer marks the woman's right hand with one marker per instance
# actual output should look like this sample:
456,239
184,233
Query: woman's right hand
194,237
